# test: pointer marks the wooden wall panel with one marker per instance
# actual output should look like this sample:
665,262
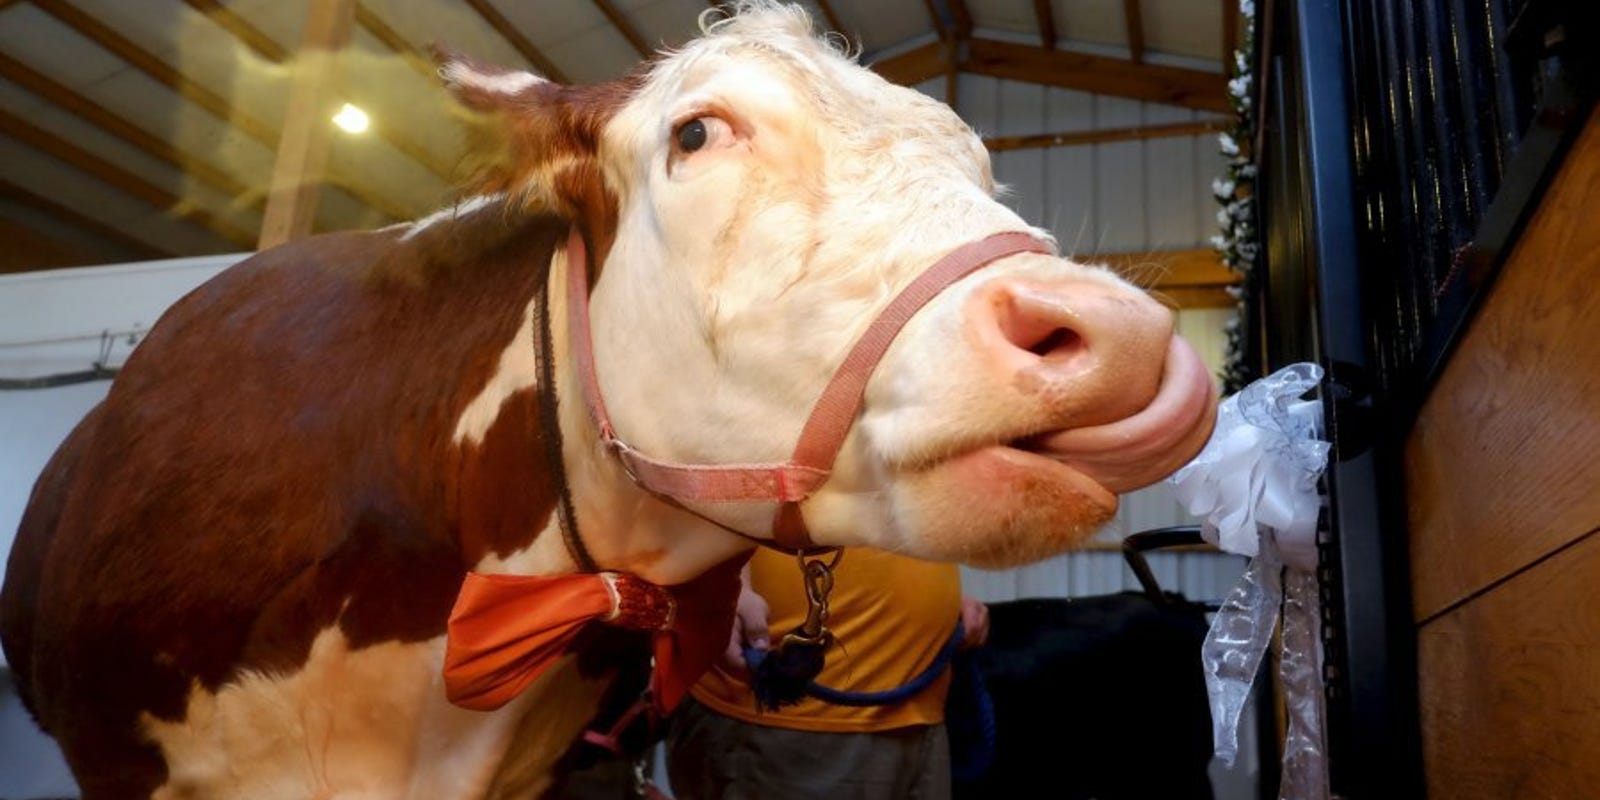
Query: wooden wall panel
1502,467
1510,686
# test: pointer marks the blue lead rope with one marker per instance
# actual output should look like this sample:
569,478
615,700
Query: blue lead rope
972,746
753,657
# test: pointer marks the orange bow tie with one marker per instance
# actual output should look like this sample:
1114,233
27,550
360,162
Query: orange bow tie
506,630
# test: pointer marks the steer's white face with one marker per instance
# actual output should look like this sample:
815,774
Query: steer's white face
770,197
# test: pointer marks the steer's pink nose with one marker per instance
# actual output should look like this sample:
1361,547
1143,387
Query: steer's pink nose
1092,350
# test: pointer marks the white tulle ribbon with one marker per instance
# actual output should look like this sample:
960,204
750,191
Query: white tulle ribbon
1255,488
1258,474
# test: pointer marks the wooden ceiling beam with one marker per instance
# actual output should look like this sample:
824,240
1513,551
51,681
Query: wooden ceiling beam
1189,88
1133,15
913,66
97,115
938,22
1180,279
1046,16
1196,267
1230,33
509,32
997,144
298,171
120,46
1187,298
27,249
961,18
44,205
263,45
252,37
391,38
119,178
162,72
625,27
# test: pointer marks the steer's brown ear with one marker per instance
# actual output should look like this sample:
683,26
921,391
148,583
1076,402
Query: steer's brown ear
485,87
535,138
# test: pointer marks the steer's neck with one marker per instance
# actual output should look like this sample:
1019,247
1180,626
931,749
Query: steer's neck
622,526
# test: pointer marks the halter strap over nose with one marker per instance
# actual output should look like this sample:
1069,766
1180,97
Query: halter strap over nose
790,482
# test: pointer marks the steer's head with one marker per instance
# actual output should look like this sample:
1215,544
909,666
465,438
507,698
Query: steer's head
756,198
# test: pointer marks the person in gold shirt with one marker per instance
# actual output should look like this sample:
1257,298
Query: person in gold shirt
890,616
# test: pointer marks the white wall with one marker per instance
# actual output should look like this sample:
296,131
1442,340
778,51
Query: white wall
52,322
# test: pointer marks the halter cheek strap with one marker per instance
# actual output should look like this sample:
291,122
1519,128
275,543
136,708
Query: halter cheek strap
823,435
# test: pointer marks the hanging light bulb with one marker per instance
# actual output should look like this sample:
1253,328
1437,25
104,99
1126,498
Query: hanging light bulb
351,119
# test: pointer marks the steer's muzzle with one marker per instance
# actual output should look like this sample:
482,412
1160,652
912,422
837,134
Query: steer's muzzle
1120,398
1093,346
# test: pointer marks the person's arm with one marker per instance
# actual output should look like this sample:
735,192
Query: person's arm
749,625
974,623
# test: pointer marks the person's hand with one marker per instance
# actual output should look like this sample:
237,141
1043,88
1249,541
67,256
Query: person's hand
749,625
974,623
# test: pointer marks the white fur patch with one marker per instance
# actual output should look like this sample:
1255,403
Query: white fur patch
369,723
510,83
462,209
518,369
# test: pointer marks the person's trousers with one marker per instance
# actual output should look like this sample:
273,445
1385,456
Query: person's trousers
712,757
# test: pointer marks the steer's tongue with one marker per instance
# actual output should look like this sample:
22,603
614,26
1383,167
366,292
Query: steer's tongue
1139,450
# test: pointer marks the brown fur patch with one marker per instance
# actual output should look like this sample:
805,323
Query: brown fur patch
275,458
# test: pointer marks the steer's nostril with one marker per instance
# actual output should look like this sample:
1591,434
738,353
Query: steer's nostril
1058,343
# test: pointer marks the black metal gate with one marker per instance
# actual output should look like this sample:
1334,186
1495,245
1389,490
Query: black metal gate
1403,145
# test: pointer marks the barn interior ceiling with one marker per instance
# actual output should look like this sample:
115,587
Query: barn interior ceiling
157,128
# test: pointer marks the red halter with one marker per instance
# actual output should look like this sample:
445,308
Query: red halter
824,433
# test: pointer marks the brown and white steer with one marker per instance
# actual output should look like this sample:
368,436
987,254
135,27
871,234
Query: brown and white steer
233,579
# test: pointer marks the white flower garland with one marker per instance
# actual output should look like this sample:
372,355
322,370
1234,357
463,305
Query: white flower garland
1235,191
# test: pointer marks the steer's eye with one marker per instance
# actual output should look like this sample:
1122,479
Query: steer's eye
692,135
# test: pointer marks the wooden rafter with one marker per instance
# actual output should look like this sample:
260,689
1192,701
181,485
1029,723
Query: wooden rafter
961,18
101,34
252,37
29,249
951,37
44,205
998,144
307,138
1191,297
1171,268
263,45
106,172
1097,74
1230,33
938,22
391,38
1046,16
509,32
97,115
1179,278
620,21
213,103
913,66
1133,15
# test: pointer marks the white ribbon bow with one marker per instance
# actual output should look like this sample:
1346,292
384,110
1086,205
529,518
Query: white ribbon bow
1255,487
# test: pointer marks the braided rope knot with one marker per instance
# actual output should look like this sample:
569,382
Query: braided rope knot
638,604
